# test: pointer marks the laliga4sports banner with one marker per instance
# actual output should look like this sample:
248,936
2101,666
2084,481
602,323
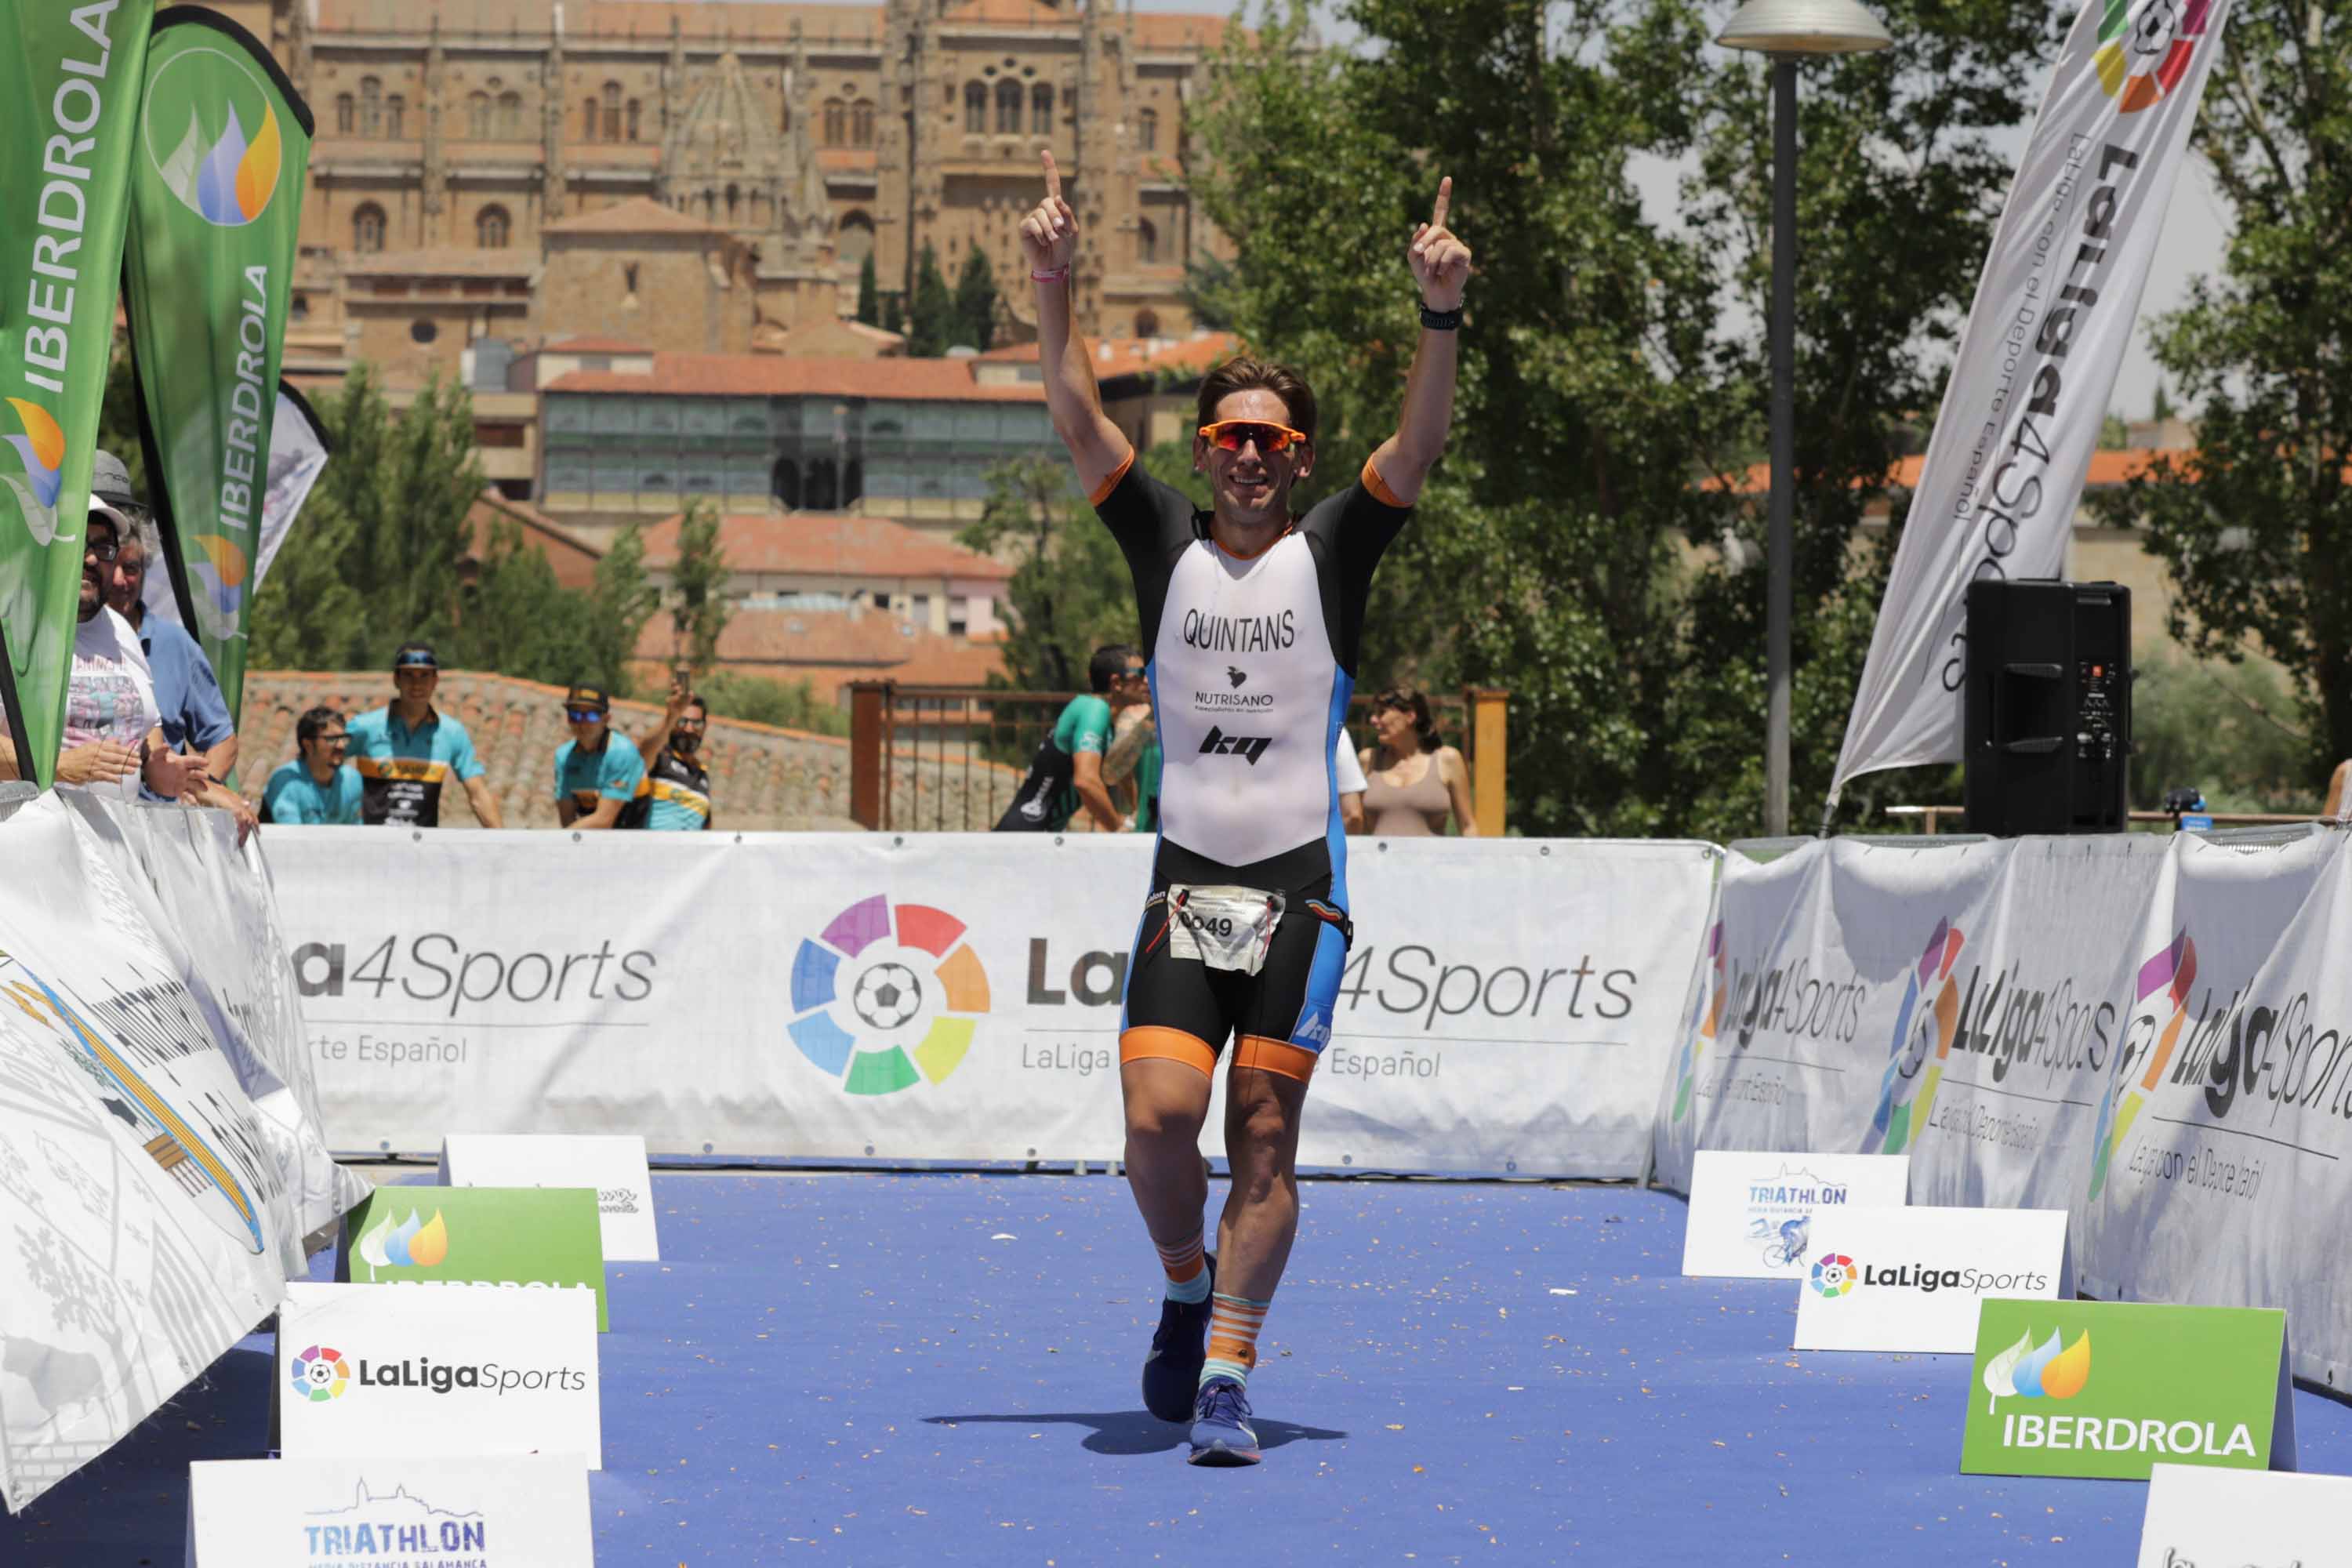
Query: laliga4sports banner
69,79
216,197
2052,316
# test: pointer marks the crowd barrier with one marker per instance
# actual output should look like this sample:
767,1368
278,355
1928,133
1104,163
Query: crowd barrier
1507,1005
2144,1031
161,1158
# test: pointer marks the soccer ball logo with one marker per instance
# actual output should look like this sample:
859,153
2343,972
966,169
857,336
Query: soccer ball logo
1835,1274
319,1375
887,995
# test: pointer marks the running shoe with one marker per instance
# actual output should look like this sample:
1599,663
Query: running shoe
1171,1372
1222,1434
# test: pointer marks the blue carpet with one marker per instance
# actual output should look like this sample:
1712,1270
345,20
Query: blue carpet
936,1369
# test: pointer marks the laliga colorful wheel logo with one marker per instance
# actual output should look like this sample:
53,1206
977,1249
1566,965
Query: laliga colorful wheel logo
407,1245
1896,1124
2141,60
224,167
321,1374
1834,1275
43,447
884,1000
1705,1021
2022,1372
2166,976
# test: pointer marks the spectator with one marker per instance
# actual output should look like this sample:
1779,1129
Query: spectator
674,795
114,732
594,777
1414,783
1348,772
407,751
1066,771
319,787
2334,803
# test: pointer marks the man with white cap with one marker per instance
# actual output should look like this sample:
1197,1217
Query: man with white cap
114,734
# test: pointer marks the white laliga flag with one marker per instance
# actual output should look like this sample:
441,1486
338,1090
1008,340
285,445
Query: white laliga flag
2054,314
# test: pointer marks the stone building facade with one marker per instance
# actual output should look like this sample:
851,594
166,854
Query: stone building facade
465,148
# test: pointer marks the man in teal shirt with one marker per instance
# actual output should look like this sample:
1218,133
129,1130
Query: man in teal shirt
1066,771
319,787
596,775
407,751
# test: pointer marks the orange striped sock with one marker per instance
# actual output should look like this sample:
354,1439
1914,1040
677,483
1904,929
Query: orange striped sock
1188,1272
1234,1323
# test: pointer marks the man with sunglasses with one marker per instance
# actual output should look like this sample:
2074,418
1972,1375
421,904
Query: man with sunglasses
674,795
596,775
406,752
1251,616
1067,770
318,787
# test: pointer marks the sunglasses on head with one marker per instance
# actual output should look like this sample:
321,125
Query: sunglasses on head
1232,435
584,715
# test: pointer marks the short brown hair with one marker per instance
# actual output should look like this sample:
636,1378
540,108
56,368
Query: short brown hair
1243,373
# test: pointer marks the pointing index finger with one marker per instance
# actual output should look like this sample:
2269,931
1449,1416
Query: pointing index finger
1436,214
1053,177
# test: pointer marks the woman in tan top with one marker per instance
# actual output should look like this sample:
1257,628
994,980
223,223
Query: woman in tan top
1411,783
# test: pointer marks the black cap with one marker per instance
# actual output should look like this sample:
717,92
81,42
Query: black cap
594,696
416,656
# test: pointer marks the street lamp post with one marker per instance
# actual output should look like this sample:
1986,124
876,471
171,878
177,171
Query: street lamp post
1787,30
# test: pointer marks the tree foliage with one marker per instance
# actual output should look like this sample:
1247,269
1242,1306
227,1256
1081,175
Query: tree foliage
931,314
1070,591
697,588
975,302
870,309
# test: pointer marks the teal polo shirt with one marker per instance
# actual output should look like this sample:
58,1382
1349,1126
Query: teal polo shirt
587,777
402,770
292,796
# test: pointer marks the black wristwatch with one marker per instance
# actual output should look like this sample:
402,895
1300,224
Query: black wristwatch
1441,321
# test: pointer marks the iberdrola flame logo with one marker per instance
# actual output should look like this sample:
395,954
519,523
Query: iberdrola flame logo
43,447
226,176
220,574
407,1245
2025,1371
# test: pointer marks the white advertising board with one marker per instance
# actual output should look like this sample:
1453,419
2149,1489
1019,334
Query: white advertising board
511,1510
1751,1214
612,1165
1910,1278
365,1372
2203,1516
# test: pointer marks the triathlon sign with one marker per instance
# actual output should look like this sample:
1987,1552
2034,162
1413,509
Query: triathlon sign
2114,1388
512,1511
2199,1515
1910,1278
1752,1215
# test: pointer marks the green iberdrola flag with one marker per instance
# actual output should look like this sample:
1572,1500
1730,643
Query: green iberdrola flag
69,79
216,198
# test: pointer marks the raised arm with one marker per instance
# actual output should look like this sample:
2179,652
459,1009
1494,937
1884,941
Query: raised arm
1441,268
1049,242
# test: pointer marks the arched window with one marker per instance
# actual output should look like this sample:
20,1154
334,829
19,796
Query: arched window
784,483
975,109
861,123
853,240
837,122
1008,108
371,107
588,121
477,116
367,229
490,227
1040,110
612,111
1147,130
396,116
633,120
1146,248
511,117
1146,324
346,113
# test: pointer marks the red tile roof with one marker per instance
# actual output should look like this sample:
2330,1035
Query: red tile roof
1022,13
1177,30
832,646
2108,467
827,545
636,215
775,375
573,559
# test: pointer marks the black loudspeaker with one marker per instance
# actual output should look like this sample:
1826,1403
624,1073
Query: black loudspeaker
2046,717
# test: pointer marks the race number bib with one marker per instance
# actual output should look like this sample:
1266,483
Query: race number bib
1224,927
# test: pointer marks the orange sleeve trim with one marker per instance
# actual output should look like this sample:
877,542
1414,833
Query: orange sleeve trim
1153,1042
1380,487
1102,490
1278,1056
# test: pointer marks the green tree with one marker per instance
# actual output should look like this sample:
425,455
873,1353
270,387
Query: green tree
762,699
893,316
2256,522
975,301
2161,408
1070,593
930,319
697,588
868,307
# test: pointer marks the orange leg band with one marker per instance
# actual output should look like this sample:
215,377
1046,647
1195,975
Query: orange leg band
1169,1044
1274,1056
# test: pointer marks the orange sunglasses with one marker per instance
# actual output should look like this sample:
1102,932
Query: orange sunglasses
1233,435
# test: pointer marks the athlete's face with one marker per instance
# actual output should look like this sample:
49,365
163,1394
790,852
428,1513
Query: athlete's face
1249,485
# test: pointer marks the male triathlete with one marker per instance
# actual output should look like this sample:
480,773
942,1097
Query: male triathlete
1250,619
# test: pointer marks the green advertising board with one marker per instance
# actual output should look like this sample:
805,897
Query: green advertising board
526,1238
2113,1389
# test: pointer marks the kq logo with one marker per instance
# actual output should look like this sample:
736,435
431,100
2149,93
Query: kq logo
1236,674
1218,744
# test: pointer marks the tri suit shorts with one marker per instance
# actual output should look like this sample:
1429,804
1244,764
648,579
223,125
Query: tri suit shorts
1182,1010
